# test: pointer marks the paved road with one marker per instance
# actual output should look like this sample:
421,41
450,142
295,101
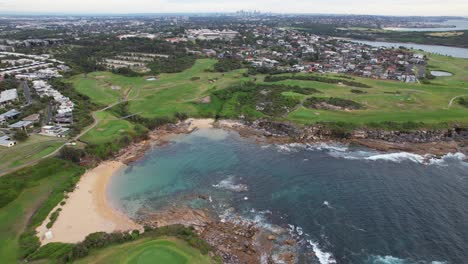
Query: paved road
26,92
86,130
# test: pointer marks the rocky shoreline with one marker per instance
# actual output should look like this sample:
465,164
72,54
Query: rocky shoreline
423,142
241,241
236,241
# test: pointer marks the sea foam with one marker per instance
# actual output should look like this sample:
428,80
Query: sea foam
230,185
345,152
323,257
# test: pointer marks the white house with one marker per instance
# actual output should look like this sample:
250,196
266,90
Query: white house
5,141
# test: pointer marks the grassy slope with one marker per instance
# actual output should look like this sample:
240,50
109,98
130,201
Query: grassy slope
167,251
15,216
426,103
416,102
108,129
162,98
34,148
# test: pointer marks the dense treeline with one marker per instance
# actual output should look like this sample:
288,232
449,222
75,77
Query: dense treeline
172,64
86,55
227,64
8,83
315,78
126,72
265,70
315,102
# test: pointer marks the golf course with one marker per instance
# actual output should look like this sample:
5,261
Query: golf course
432,103
146,251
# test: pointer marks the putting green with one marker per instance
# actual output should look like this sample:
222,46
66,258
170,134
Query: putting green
161,251
149,251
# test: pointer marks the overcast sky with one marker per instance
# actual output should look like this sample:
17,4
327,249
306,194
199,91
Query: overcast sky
381,7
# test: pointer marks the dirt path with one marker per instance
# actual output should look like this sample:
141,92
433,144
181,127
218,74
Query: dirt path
453,99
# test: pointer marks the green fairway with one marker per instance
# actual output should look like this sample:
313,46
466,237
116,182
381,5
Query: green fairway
34,148
163,97
385,101
109,128
146,251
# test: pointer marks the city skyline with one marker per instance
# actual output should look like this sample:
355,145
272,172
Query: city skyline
384,7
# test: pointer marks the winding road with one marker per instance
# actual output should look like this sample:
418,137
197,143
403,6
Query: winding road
77,137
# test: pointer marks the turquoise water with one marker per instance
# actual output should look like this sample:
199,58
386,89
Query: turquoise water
346,204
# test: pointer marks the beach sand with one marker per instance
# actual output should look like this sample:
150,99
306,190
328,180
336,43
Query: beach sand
200,123
87,209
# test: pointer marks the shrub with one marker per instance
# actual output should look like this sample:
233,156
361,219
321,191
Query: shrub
314,102
72,154
21,135
356,91
463,102
315,78
227,64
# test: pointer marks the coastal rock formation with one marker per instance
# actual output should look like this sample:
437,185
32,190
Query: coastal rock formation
423,141
237,241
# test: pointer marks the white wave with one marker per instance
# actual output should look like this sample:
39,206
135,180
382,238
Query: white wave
294,147
450,157
343,151
258,219
398,157
327,204
228,184
323,257
387,260
394,260
299,231
329,147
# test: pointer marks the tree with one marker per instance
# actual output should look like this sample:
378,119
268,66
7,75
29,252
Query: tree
73,154
21,135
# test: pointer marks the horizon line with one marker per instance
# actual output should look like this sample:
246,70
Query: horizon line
32,13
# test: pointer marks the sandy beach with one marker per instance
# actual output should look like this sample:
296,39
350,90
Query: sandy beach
200,123
87,209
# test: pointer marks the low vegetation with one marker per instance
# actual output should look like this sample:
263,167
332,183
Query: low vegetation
329,103
96,242
227,64
26,198
463,102
316,78
258,100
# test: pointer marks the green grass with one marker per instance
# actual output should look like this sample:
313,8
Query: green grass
35,191
386,101
171,93
146,251
109,129
34,148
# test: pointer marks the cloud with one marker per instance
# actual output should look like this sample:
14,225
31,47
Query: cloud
384,7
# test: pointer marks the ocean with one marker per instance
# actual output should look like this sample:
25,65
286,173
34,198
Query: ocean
347,204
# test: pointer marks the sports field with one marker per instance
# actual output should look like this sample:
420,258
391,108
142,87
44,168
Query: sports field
149,251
